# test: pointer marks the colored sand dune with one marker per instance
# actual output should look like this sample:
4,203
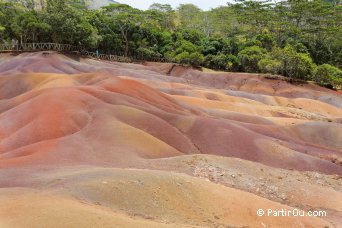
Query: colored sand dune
87,143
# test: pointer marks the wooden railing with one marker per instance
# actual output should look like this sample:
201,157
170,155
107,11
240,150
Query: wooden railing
94,55
37,47
67,48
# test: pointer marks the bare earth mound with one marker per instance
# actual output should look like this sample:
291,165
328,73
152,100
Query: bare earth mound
86,143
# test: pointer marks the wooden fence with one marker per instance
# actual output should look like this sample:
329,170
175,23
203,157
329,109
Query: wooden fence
67,48
37,47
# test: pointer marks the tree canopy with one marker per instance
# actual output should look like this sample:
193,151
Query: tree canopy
297,39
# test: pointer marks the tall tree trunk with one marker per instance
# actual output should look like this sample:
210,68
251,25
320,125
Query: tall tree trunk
125,36
42,6
126,48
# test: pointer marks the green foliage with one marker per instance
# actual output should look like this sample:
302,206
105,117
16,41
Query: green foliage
268,65
191,35
280,37
297,46
223,22
185,46
254,15
194,59
288,62
147,53
222,62
165,15
336,82
296,65
127,20
233,63
249,58
190,16
327,75
186,52
73,23
266,41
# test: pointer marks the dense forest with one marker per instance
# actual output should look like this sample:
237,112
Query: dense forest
299,39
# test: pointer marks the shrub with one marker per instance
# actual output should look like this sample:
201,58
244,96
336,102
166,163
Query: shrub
209,61
293,64
336,82
268,65
185,46
232,63
187,53
327,75
217,62
146,53
183,58
195,59
298,66
249,58
222,62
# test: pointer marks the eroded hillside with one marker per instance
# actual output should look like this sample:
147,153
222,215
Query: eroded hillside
161,145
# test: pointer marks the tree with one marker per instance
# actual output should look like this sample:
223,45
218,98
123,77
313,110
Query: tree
167,15
70,25
223,22
254,15
28,26
287,37
189,16
126,18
